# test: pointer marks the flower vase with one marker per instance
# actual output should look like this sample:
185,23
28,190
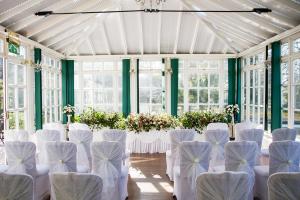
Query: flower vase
232,134
68,124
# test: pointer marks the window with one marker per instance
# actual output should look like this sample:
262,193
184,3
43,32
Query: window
98,85
296,45
284,92
52,102
201,85
151,87
296,92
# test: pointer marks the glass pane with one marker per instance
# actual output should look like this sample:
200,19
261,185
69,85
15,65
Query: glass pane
180,96
214,96
251,78
21,120
285,49
214,80
98,81
87,81
11,73
203,107
87,66
193,80
296,71
192,96
156,81
144,95
193,108
87,97
284,104
296,45
284,73
11,120
1,46
21,97
11,97
203,80
297,97
144,80
203,96
108,81
21,75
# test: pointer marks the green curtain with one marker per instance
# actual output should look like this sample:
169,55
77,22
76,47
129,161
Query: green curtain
126,87
231,80
174,86
276,86
67,84
238,87
38,91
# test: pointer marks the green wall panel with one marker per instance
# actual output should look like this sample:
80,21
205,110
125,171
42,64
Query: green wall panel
231,80
174,86
68,92
126,87
38,91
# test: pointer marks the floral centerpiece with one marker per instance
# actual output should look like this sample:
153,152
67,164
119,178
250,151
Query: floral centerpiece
69,111
232,110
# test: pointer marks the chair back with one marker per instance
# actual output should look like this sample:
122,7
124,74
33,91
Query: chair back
83,140
284,156
16,186
239,127
225,185
217,126
194,160
16,135
56,126
43,136
79,126
281,134
75,186
20,157
115,136
284,186
61,156
217,138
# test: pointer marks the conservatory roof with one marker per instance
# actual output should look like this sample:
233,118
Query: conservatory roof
149,33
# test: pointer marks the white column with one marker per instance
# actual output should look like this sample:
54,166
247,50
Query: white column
168,84
133,85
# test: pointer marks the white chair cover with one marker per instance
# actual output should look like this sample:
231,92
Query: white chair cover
107,161
194,160
56,126
223,186
176,137
20,157
79,126
218,139
83,140
239,127
284,134
284,186
16,135
61,156
217,126
16,186
74,186
284,157
43,136
253,135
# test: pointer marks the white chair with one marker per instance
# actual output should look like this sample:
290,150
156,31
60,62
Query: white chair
107,163
194,160
117,136
20,158
284,134
83,140
74,186
16,186
176,137
239,127
16,135
43,136
284,186
79,126
225,185
217,138
284,157
217,126
62,157
255,135
56,126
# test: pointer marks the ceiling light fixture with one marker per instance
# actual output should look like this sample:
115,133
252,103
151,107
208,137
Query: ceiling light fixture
150,3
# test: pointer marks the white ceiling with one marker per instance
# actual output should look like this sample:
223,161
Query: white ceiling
149,33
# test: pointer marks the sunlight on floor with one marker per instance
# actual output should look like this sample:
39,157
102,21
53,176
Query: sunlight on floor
156,176
147,187
135,173
166,186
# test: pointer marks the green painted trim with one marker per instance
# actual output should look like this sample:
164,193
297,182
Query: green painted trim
231,80
38,91
138,85
239,87
276,86
126,87
174,86
68,92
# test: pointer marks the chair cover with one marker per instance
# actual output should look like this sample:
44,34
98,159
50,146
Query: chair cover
223,186
83,140
16,135
176,137
79,126
56,126
284,186
239,127
194,160
284,157
253,135
16,186
284,134
218,139
107,161
43,136
217,126
61,156
74,186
